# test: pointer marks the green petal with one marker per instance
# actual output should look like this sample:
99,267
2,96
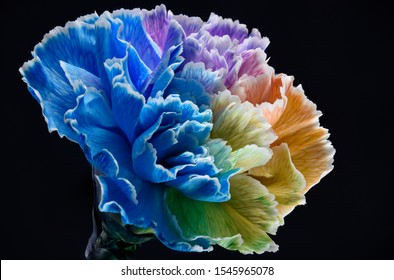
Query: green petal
282,179
243,159
239,124
239,224
221,154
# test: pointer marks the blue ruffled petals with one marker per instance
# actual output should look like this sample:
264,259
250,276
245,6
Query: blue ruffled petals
93,121
74,44
142,204
169,119
116,85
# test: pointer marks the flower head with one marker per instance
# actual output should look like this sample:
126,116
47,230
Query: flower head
191,134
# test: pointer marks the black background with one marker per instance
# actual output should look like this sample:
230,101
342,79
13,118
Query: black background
340,52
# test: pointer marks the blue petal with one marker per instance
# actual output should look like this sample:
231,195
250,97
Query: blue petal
200,187
212,81
200,179
161,83
130,200
117,71
92,120
74,44
187,128
164,140
137,69
163,73
144,158
126,107
108,45
128,69
133,32
106,163
76,74
189,90
91,18
54,94
117,196
189,135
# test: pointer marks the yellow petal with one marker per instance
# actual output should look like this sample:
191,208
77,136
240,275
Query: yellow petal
282,179
249,157
240,124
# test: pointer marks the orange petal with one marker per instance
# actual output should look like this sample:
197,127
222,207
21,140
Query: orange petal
299,127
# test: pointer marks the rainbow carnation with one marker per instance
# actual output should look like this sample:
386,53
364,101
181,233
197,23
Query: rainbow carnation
192,137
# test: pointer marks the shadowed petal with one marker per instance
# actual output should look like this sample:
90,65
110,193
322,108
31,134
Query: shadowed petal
92,119
130,200
189,90
212,81
126,106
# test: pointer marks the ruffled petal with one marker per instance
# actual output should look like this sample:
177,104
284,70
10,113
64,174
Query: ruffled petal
92,120
240,124
217,26
188,128
133,32
294,119
189,25
282,179
212,81
256,90
189,90
254,63
108,45
130,198
126,106
299,127
236,227
254,41
156,24
221,152
45,77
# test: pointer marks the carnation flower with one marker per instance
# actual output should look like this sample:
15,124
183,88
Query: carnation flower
192,137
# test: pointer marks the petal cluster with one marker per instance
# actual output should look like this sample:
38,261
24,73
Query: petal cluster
190,132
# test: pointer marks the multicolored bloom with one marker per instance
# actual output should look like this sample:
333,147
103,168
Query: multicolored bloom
191,134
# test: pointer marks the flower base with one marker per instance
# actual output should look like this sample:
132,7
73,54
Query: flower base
111,239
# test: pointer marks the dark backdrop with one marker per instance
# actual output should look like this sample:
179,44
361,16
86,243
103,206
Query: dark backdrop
340,52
